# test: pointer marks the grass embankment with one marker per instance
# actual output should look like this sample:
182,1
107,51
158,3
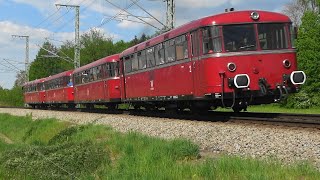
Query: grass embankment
50,149
276,108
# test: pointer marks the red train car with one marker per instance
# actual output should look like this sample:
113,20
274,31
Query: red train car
34,93
98,83
231,59
59,90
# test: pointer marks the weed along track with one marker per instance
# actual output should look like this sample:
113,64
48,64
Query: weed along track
289,144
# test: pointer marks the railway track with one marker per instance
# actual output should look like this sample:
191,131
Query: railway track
279,119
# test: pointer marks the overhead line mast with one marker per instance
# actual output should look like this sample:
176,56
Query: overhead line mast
77,34
27,54
170,14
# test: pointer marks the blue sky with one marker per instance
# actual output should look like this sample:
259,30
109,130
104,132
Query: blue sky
26,17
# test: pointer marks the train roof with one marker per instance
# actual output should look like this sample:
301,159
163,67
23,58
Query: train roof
233,17
63,74
37,81
112,58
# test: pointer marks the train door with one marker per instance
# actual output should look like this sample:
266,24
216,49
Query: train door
195,57
122,79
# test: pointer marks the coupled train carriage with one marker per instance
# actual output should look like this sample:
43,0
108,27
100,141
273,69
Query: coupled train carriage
233,59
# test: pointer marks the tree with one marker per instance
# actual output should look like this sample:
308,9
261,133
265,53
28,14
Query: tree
44,65
20,79
296,9
308,47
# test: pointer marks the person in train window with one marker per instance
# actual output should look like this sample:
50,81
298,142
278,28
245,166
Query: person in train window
70,84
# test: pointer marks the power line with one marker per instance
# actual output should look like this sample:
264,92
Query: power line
7,60
147,12
113,17
55,54
132,14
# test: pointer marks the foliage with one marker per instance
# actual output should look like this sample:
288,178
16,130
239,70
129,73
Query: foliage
94,45
308,59
20,79
46,64
296,9
13,97
99,152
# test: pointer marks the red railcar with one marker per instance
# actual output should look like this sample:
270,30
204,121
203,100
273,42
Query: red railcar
98,83
34,93
59,90
231,59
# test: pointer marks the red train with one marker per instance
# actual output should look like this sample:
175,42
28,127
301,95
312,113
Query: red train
234,59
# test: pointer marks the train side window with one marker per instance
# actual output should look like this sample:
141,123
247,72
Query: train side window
104,71
181,47
159,54
135,62
150,57
91,74
127,65
170,52
142,59
99,72
194,44
211,40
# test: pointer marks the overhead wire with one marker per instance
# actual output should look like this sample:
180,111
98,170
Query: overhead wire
12,64
131,13
136,3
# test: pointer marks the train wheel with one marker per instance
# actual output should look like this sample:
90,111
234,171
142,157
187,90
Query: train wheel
89,106
236,109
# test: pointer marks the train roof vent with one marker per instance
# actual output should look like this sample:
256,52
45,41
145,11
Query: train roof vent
229,10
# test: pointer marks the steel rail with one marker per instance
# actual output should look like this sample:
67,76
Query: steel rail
283,119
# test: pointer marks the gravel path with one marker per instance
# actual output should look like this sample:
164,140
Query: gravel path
287,144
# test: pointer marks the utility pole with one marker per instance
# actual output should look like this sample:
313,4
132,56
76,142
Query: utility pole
77,34
170,14
27,54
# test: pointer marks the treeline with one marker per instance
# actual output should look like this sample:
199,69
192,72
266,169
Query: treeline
308,47
12,97
52,60
95,45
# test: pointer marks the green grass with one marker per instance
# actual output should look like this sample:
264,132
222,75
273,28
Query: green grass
276,108
49,149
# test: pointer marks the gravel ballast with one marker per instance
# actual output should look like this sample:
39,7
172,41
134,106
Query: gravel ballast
288,144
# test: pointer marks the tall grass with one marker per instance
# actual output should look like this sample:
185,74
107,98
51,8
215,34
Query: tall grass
49,149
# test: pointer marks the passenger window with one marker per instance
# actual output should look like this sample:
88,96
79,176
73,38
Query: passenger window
150,58
135,62
170,50
181,47
159,54
127,65
142,59
211,40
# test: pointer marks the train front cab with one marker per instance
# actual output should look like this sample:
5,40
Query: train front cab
248,62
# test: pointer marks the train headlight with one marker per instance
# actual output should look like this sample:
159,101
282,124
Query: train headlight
231,67
286,63
255,15
241,81
298,77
